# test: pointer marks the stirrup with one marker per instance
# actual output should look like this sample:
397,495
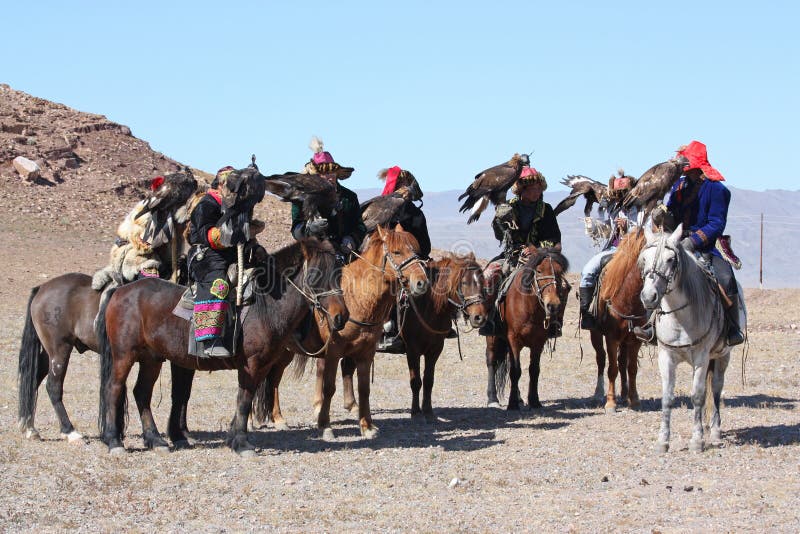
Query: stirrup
217,350
644,333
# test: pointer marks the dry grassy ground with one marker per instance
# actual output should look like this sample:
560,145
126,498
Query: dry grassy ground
568,467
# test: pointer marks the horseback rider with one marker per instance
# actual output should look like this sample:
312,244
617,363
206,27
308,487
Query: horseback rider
523,221
410,216
343,225
622,221
700,201
213,251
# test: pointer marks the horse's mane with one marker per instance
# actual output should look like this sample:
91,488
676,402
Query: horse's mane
694,282
621,265
539,256
452,266
271,273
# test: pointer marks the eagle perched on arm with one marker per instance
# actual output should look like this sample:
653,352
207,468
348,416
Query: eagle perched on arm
592,190
491,185
385,208
654,184
316,194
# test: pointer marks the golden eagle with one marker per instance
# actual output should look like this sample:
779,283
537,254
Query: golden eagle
316,194
654,184
491,186
592,190
170,194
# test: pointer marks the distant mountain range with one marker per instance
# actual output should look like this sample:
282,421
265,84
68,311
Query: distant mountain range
449,231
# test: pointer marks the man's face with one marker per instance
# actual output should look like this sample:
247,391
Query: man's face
694,175
532,192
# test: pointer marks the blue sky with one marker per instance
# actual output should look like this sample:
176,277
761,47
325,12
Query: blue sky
444,89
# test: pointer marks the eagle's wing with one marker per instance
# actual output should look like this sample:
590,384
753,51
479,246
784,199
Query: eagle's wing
381,210
592,190
490,185
171,195
314,192
653,185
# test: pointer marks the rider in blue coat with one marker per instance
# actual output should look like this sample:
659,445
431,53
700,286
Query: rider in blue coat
700,201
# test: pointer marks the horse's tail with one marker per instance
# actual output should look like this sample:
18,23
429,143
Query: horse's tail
30,352
261,401
299,365
106,364
708,406
501,369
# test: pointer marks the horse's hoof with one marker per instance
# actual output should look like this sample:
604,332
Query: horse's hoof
281,425
430,418
247,453
635,405
182,444
327,434
73,437
117,451
493,404
610,409
662,447
369,433
696,445
33,434
161,449
716,438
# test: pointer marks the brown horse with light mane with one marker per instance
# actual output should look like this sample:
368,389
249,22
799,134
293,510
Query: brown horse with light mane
371,283
619,310
456,288
532,301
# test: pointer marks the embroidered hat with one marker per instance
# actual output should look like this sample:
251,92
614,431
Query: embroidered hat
156,183
697,155
322,162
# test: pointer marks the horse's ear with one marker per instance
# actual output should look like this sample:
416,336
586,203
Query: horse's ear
399,228
648,234
675,238
380,230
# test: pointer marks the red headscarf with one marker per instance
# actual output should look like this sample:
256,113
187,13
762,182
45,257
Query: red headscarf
696,153
391,180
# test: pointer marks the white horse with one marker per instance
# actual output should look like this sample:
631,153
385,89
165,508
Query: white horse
689,320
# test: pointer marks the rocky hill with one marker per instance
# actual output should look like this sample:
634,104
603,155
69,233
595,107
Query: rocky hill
92,170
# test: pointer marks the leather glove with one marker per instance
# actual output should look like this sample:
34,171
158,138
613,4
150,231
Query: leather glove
348,244
688,244
317,228
503,213
226,233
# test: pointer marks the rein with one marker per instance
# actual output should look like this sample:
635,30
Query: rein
315,304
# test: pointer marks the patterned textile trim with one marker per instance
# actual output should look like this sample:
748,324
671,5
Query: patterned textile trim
220,288
214,237
702,235
149,272
723,245
209,318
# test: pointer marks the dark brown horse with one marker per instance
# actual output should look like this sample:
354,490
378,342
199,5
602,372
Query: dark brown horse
532,301
138,326
387,263
619,310
456,289
60,317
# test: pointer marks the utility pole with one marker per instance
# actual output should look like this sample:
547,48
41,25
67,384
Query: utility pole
761,256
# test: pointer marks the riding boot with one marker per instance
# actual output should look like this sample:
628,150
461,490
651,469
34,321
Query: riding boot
586,294
391,341
645,333
216,349
735,335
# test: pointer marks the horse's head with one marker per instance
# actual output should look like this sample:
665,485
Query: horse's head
544,273
322,274
659,262
397,253
466,290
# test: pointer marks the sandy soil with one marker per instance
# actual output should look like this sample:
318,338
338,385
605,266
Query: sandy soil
568,467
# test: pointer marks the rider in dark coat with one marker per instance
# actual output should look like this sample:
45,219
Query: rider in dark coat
343,225
213,251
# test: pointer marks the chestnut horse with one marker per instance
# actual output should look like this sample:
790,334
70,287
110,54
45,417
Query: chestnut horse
532,301
137,325
456,288
388,263
619,310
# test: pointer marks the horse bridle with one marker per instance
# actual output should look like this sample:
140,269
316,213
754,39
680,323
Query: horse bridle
553,280
656,272
466,302
314,300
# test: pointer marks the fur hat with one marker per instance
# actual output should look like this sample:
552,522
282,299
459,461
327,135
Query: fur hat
221,175
697,155
528,176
